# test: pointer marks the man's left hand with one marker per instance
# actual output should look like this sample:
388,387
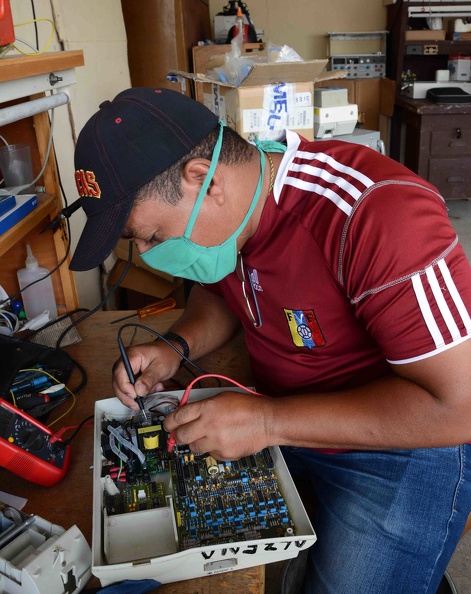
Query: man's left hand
228,426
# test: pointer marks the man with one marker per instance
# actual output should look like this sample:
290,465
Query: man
355,296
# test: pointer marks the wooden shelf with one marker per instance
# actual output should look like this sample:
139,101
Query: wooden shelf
50,248
23,66
47,207
444,46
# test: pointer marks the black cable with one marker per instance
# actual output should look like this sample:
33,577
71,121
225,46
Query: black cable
102,302
10,297
35,24
161,337
84,376
81,424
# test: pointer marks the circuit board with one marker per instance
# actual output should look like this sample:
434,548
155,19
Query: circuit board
223,502
214,501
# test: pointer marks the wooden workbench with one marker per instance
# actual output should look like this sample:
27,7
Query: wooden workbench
70,502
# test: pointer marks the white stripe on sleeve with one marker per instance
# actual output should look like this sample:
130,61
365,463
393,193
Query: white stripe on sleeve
450,285
426,311
442,304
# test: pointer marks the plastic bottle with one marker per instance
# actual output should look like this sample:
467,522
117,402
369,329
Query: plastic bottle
39,297
239,27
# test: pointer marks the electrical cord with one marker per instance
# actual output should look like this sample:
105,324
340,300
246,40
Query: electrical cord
171,443
77,428
102,302
33,10
11,297
49,41
161,337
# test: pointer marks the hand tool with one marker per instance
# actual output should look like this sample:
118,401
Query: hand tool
150,310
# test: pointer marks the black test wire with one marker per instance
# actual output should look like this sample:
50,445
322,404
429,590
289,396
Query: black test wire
102,302
127,364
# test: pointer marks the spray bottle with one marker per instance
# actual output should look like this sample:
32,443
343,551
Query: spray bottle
39,297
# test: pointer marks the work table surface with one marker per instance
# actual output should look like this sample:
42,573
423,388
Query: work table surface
70,501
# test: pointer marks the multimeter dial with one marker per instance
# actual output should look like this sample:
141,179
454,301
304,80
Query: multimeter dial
27,436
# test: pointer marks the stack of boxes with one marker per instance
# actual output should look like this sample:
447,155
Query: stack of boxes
272,97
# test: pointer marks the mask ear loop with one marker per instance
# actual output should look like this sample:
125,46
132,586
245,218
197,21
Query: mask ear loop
206,182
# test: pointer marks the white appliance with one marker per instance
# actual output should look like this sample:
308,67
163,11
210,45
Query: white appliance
418,90
335,121
369,138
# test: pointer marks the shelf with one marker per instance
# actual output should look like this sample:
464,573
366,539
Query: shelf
24,66
47,206
29,77
446,46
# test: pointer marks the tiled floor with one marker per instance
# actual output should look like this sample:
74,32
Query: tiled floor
459,569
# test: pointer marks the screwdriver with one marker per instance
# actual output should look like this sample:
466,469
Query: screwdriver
152,309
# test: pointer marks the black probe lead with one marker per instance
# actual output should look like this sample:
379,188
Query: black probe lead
132,379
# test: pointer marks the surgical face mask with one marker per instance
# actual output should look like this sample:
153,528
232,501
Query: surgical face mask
181,257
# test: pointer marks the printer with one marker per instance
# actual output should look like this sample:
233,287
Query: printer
333,114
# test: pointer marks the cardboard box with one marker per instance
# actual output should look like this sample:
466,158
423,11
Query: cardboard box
274,96
459,67
425,35
143,281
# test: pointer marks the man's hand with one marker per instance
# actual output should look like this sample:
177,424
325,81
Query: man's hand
155,362
228,426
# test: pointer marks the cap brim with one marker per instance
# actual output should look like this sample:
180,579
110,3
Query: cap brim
100,235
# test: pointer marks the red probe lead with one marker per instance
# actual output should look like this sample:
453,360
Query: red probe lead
171,443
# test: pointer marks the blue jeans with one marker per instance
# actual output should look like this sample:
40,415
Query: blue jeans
387,522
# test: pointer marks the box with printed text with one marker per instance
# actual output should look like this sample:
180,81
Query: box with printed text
272,97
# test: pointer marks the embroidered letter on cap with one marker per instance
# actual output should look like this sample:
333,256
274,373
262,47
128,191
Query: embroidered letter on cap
86,184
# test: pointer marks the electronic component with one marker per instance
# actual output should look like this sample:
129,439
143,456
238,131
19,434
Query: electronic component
214,501
360,66
26,448
173,515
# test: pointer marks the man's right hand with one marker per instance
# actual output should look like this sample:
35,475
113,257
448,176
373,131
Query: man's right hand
152,363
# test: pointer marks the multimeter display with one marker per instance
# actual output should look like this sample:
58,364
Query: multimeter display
27,450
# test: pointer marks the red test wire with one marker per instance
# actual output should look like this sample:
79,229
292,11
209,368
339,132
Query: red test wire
171,443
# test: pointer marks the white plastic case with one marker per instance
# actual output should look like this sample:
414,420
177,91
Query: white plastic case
144,544
45,559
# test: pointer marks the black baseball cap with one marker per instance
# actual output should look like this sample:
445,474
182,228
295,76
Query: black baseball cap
123,146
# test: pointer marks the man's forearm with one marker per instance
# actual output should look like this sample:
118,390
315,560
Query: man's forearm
391,413
207,323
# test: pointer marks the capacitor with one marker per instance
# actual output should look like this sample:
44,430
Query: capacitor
211,465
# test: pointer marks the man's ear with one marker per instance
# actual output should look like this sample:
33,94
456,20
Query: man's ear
194,174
